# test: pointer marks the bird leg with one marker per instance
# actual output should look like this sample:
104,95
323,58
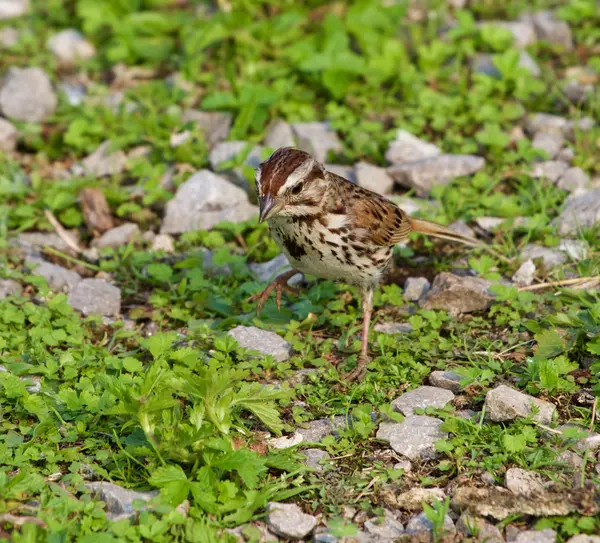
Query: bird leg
363,358
281,286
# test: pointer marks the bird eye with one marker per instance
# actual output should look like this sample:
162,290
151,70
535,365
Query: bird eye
297,189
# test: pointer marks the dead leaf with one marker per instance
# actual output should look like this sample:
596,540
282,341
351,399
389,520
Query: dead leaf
96,212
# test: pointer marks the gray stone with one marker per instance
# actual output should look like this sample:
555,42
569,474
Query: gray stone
118,236
537,536
583,538
574,248
413,499
74,93
317,139
392,328
483,63
104,162
94,296
582,124
577,92
457,294
26,94
315,430
285,442
459,226
549,257
288,520
263,341
527,62
421,398
550,29
566,154
552,170
214,125
546,122
373,178
203,201
523,482
415,288
34,241
420,523
163,242
489,223
387,528
590,443
315,458
9,287
574,179
571,459
9,36
581,211
522,31
10,9
69,46
347,172
119,501
408,148
478,528
267,271
229,150
279,135
439,170
405,465
58,278
415,437
446,379
549,142
504,404
8,136
525,275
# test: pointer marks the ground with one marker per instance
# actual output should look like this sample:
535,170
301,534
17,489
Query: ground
142,399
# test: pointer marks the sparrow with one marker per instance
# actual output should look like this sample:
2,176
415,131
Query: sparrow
329,227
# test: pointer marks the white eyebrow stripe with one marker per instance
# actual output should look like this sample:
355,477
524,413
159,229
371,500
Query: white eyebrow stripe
297,175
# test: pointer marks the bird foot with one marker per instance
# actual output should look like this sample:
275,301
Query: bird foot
357,374
280,286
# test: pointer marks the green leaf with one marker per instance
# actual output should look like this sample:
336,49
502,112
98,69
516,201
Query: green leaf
246,462
160,343
514,443
167,474
549,344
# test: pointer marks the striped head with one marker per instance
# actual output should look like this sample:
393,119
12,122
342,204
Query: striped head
289,183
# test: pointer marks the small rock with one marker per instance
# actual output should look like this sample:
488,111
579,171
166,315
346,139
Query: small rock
288,520
405,465
69,46
9,287
420,523
392,328
413,499
315,458
118,236
459,226
346,172
163,242
581,211
575,248
279,135
489,223
549,142
577,92
552,170
415,437
582,538
550,257
523,482
566,154
263,341
285,442
179,138
504,404
447,380
415,288
582,124
26,94
74,93
483,63
315,430
119,501
203,201
229,150
421,398
550,29
574,179
317,139
439,170
457,294
373,178
10,9
8,136
267,271
59,279
488,478
94,296
527,62
214,125
408,148
591,443
387,528
9,36
546,123
571,459
479,528
35,241
536,536
525,275
522,31
104,162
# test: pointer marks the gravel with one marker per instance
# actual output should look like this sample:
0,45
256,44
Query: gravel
505,404
421,398
573,179
552,170
408,148
59,279
118,236
420,523
415,437
288,520
229,150
549,257
549,28
69,46
318,139
447,380
26,94
279,135
263,341
457,294
10,9
523,482
9,36
9,287
373,178
478,527
8,136
525,275
581,211
163,242
387,528
119,501
213,124
415,288
413,499
315,458
392,328
104,162
95,297
536,536
267,271
549,142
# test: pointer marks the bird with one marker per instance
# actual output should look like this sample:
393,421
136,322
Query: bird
330,228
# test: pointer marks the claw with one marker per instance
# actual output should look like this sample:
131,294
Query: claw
280,286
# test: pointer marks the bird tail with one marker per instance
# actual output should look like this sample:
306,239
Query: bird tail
436,230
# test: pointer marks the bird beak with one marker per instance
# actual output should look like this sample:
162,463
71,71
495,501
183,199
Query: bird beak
268,207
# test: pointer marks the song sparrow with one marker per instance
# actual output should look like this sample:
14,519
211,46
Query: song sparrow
328,227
